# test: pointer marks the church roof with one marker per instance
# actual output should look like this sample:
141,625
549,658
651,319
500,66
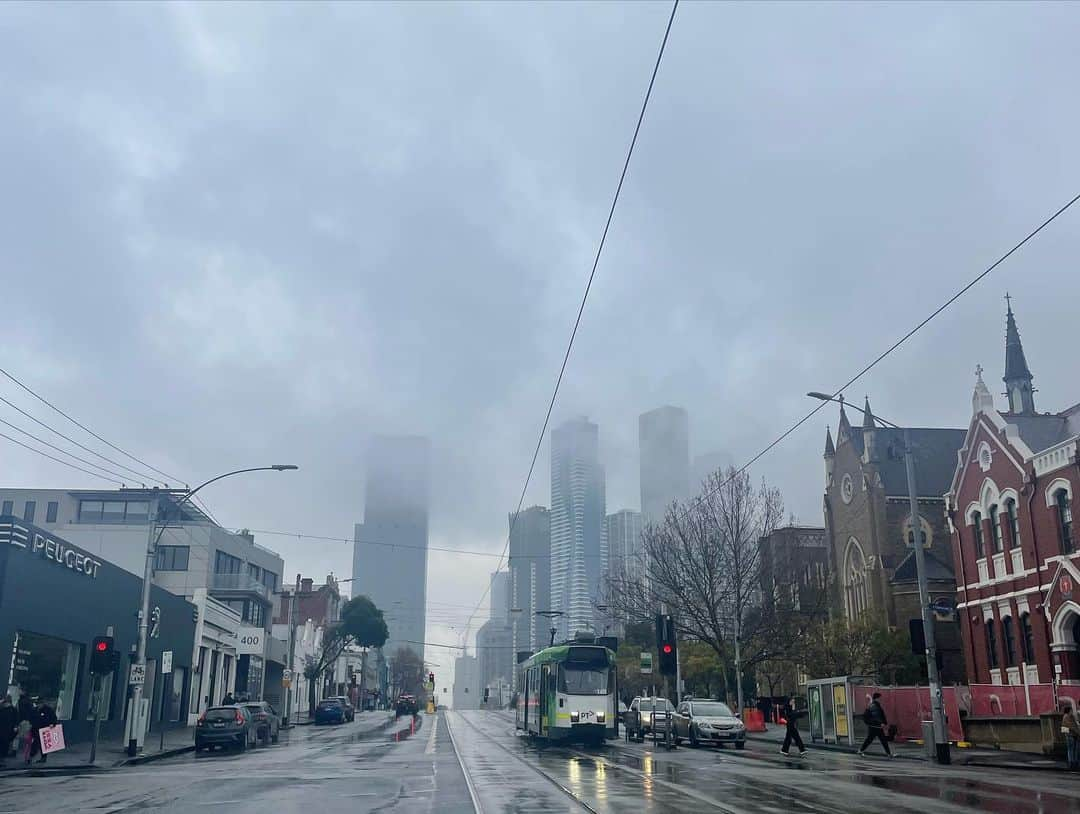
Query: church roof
1040,432
935,459
829,448
1016,366
936,570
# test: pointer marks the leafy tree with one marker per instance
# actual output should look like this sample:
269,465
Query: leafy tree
864,647
361,623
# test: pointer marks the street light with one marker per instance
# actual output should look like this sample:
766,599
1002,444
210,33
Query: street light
937,710
148,576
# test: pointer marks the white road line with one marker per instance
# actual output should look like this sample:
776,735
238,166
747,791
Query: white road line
430,749
468,780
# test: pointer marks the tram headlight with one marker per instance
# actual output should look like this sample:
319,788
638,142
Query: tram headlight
574,716
600,717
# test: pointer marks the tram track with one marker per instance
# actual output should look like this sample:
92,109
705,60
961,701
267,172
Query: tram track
648,779
576,798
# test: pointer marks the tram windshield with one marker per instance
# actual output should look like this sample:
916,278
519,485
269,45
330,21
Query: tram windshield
583,679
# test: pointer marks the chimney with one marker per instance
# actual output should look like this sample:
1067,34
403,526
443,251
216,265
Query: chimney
305,585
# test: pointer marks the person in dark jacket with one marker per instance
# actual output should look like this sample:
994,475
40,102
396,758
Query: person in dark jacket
792,715
875,720
26,709
45,716
9,725
228,700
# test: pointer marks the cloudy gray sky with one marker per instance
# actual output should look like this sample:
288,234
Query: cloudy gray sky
239,234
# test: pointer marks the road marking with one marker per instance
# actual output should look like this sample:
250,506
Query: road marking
430,749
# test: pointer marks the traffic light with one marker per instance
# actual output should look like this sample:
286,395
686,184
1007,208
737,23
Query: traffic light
101,655
666,644
431,679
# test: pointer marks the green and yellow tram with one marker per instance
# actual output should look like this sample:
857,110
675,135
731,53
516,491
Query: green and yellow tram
567,693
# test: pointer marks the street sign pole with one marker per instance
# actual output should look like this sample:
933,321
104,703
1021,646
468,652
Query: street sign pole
144,621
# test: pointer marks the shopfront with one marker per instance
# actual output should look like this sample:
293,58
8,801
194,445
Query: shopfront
54,598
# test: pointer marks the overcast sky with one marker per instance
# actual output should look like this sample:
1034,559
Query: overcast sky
234,235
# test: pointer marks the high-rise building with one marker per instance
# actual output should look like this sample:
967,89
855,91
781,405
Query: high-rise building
705,465
499,597
467,693
625,552
390,549
530,578
578,526
664,449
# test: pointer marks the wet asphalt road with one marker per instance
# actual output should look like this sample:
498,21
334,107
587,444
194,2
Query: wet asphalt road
415,768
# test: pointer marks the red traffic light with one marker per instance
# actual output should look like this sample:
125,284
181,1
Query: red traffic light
102,646
667,648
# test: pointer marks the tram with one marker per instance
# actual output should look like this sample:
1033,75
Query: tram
568,693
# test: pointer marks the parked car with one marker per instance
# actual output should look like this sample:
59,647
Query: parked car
330,711
226,726
639,718
708,722
350,710
267,722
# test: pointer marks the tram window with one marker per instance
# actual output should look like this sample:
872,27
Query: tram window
583,680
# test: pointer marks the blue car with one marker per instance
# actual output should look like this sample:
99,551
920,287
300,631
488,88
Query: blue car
330,711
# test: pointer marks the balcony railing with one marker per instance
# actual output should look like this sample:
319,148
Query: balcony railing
244,583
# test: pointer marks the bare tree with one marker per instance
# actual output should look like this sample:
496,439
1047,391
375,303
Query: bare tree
703,564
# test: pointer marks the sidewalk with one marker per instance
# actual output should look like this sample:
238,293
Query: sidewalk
995,758
111,752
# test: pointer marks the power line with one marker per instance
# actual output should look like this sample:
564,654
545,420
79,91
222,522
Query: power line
885,353
76,443
59,449
58,460
83,427
585,296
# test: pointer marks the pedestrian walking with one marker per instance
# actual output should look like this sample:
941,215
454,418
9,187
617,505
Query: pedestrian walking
791,735
9,726
875,721
1070,727
45,716
228,700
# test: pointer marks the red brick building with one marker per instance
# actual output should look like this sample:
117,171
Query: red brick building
320,603
1016,556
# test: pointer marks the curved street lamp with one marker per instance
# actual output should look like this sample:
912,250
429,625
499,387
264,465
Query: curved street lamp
148,577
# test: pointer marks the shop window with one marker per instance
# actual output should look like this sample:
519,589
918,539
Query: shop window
136,512
226,563
112,511
991,645
46,668
28,511
1061,498
172,558
1010,641
270,580
1027,638
51,511
8,507
977,532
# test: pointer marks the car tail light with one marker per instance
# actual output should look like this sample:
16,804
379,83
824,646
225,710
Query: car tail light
239,718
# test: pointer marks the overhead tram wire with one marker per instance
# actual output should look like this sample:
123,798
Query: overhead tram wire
86,429
58,460
60,450
585,296
971,284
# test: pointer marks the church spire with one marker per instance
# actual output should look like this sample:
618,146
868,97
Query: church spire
1017,376
830,450
981,400
868,416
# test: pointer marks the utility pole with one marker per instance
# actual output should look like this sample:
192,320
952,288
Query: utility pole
135,716
941,732
294,682
738,660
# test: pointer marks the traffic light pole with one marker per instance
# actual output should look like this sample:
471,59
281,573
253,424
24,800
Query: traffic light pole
98,701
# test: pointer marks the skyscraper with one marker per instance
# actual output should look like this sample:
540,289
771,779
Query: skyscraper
499,597
625,551
530,577
578,525
390,549
664,448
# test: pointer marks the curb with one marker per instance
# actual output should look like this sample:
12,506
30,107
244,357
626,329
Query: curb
59,771
140,759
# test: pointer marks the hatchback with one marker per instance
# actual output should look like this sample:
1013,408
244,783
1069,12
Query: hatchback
224,727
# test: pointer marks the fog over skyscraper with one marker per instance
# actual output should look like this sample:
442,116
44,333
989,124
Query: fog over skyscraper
664,447
530,577
395,514
578,525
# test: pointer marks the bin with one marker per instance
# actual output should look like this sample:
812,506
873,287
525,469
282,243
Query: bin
928,739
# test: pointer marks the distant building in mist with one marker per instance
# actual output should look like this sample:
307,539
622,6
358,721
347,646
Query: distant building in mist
626,553
494,639
705,465
467,693
499,597
390,549
578,526
530,577
664,450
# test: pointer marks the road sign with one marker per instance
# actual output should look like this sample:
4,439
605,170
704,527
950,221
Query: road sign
155,622
166,662
942,606
646,663
137,676
286,674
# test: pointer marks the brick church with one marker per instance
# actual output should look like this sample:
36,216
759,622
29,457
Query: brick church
1010,507
868,527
